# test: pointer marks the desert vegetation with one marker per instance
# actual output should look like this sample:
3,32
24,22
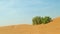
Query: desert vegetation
41,20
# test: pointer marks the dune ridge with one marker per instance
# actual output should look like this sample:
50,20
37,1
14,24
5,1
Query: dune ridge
50,28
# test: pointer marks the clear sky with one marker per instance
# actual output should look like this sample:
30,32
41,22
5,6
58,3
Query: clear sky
22,11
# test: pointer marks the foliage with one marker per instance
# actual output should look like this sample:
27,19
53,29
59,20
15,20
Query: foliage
41,20
36,20
46,19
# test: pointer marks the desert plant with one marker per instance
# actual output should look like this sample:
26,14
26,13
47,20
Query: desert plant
41,20
47,19
36,20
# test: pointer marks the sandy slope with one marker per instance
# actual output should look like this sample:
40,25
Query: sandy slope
50,28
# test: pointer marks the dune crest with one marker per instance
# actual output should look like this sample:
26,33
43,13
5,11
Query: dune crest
50,28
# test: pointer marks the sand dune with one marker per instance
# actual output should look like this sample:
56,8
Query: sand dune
50,28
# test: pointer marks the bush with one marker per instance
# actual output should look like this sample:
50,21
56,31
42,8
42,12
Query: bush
46,19
41,20
36,20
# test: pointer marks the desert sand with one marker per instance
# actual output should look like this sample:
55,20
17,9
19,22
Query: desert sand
50,28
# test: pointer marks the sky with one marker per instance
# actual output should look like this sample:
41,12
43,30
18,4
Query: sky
22,11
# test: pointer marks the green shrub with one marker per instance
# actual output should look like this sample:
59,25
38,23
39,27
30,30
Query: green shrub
41,20
46,19
36,20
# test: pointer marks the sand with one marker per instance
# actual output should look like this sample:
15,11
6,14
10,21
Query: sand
50,28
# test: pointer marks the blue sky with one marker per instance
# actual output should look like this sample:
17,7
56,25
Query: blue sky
22,11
